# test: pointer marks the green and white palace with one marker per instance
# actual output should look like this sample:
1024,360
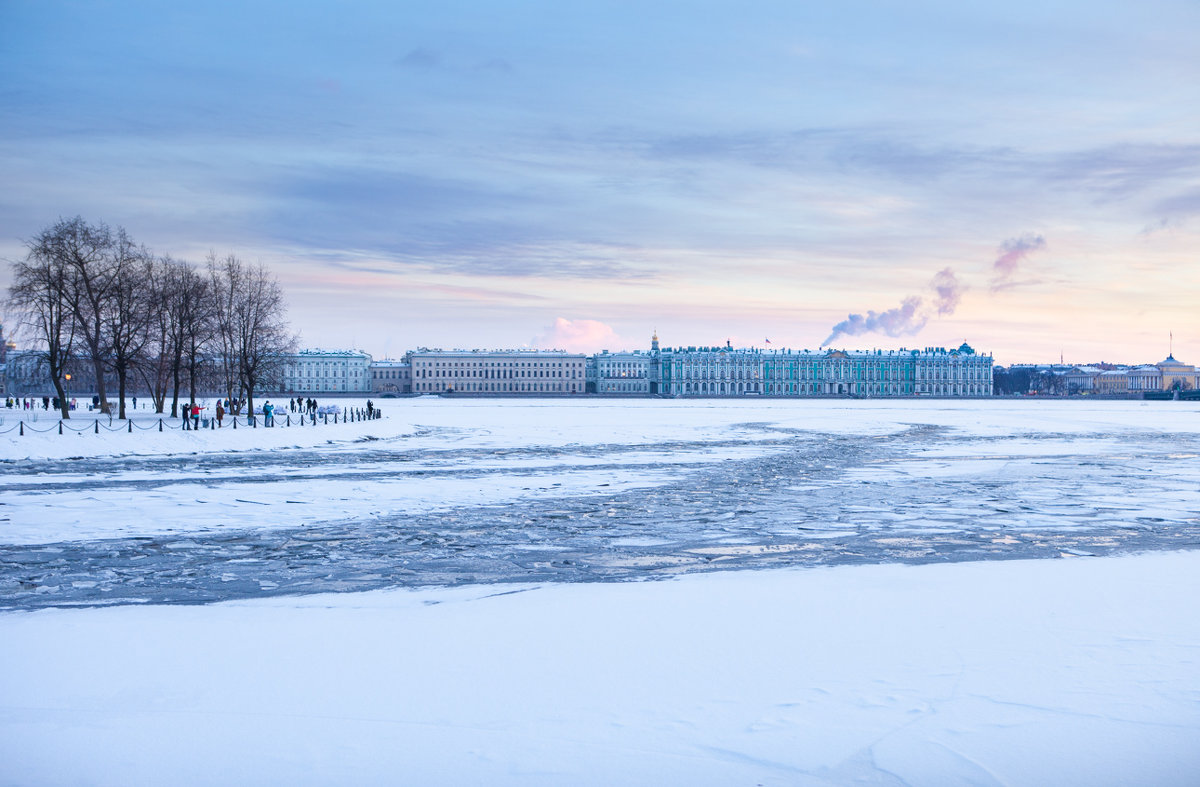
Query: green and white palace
725,371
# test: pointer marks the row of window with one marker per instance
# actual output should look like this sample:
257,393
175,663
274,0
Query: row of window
510,387
703,388
495,374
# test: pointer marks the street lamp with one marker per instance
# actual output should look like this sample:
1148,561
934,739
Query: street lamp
67,377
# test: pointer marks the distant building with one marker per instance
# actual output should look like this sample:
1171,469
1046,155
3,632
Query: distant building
622,372
26,373
498,371
1143,378
724,371
1177,375
1081,379
327,371
1113,383
389,376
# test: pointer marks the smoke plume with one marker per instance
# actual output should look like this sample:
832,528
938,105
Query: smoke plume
1012,251
949,292
904,320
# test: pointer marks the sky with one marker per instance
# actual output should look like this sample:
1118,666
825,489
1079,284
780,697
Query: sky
1021,176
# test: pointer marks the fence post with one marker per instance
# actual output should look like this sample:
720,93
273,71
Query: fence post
97,426
60,427
289,420
22,429
130,426
160,424
235,422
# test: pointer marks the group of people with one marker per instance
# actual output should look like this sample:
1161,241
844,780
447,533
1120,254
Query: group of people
191,412
308,406
31,403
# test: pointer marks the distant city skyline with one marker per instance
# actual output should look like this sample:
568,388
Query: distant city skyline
1024,177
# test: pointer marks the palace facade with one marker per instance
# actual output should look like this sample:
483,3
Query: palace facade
497,371
724,371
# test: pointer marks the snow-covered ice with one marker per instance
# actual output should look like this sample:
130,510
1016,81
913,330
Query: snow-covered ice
499,634
442,491
1012,672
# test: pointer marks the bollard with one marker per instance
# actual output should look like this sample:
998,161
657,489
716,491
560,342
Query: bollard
22,429
131,426
289,420
160,424
60,427
212,423
97,426
235,422
326,418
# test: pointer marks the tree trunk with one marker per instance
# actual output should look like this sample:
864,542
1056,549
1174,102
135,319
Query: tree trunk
121,392
249,397
98,366
175,394
63,404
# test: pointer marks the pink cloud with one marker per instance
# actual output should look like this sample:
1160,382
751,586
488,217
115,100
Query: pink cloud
580,336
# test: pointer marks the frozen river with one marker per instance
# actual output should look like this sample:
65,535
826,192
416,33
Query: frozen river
477,491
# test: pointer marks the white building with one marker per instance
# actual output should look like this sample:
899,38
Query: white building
497,371
1082,378
391,376
327,371
622,372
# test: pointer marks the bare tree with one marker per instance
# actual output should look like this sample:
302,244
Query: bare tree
40,293
225,279
196,323
185,305
85,251
129,315
253,337
155,362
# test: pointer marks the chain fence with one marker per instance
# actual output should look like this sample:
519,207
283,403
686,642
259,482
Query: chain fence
164,423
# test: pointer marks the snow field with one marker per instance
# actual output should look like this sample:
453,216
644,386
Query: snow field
1080,671
425,422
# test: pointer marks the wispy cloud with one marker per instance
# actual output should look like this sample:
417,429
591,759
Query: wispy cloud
421,58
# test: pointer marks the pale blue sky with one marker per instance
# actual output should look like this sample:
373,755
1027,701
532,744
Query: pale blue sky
464,174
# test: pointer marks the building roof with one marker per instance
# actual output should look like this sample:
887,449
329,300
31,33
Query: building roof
475,353
317,353
1170,361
